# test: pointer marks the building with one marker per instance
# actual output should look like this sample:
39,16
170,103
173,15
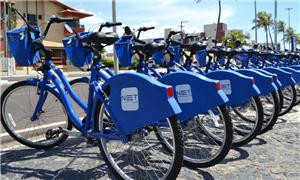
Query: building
196,37
210,30
37,12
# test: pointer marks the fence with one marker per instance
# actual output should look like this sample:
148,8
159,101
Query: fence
8,65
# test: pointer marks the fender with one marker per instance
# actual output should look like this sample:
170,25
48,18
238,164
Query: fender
285,77
295,73
139,100
296,67
277,82
238,87
264,82
85,79
195,93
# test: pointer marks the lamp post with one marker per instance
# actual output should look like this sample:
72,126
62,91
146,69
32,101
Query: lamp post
275,23
114,19
289,14
255,19
181,29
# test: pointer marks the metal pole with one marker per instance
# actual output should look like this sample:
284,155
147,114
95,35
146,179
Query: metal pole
181,29
289,14
255,19
275,23
114,19
5,28
27,69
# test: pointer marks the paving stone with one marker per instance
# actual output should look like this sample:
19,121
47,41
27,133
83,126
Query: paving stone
271,156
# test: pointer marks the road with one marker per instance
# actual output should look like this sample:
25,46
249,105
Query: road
273,155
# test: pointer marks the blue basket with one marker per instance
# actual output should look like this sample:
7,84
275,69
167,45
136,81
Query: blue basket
201,57
123,48
21,46
158,57
176,51
243,58
78,55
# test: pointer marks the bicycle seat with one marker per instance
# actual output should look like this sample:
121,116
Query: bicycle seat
102,38
152,47
197,47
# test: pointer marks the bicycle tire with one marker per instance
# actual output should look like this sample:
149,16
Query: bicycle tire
14,133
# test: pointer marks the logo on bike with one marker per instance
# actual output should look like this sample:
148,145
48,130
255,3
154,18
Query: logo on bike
184,93
226,86
130,99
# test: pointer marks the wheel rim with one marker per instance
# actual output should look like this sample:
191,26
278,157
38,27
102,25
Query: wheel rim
202,135
157,168
245,119
27,131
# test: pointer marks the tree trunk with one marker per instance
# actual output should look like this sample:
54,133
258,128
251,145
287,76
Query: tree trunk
266,30
283,40
271,37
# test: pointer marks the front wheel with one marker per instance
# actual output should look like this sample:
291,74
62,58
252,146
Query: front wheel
43,132
143,157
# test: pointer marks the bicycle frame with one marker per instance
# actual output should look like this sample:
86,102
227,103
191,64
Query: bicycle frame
61,85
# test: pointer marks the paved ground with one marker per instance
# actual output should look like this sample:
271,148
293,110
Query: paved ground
274,155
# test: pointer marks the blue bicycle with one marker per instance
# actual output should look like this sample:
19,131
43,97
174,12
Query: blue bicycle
200,119
120,116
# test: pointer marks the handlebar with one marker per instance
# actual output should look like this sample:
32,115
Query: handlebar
56,19
109,24
143,29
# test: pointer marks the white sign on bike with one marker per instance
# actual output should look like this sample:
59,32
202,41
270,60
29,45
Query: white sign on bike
130,99
226,86
184,93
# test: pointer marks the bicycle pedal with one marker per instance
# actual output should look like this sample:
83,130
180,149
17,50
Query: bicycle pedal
71,133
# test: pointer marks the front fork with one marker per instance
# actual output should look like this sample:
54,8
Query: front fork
41,100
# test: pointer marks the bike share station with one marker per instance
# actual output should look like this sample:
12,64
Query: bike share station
186,105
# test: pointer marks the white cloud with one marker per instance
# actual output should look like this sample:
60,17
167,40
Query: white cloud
90,22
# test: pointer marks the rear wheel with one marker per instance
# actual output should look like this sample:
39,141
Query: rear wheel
271,109
247,121
289,99
207,138
143,157
18,103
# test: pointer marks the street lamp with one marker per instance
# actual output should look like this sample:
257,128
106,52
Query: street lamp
255,19
181,28
114,19
289,9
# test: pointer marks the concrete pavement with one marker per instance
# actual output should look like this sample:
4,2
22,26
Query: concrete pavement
273,155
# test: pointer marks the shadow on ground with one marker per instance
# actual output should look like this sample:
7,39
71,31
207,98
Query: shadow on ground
71,148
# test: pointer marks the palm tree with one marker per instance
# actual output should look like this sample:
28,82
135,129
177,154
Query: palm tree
281,27
289,33
264,20
233,36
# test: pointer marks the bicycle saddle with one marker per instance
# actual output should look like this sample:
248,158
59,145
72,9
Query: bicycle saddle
197,47
152,47
102,38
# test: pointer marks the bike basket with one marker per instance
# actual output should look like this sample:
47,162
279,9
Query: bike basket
21,46
123,48
201,57
176,51
78,55
243,58
158,57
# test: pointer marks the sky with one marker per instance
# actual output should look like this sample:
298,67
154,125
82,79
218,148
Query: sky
237,14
